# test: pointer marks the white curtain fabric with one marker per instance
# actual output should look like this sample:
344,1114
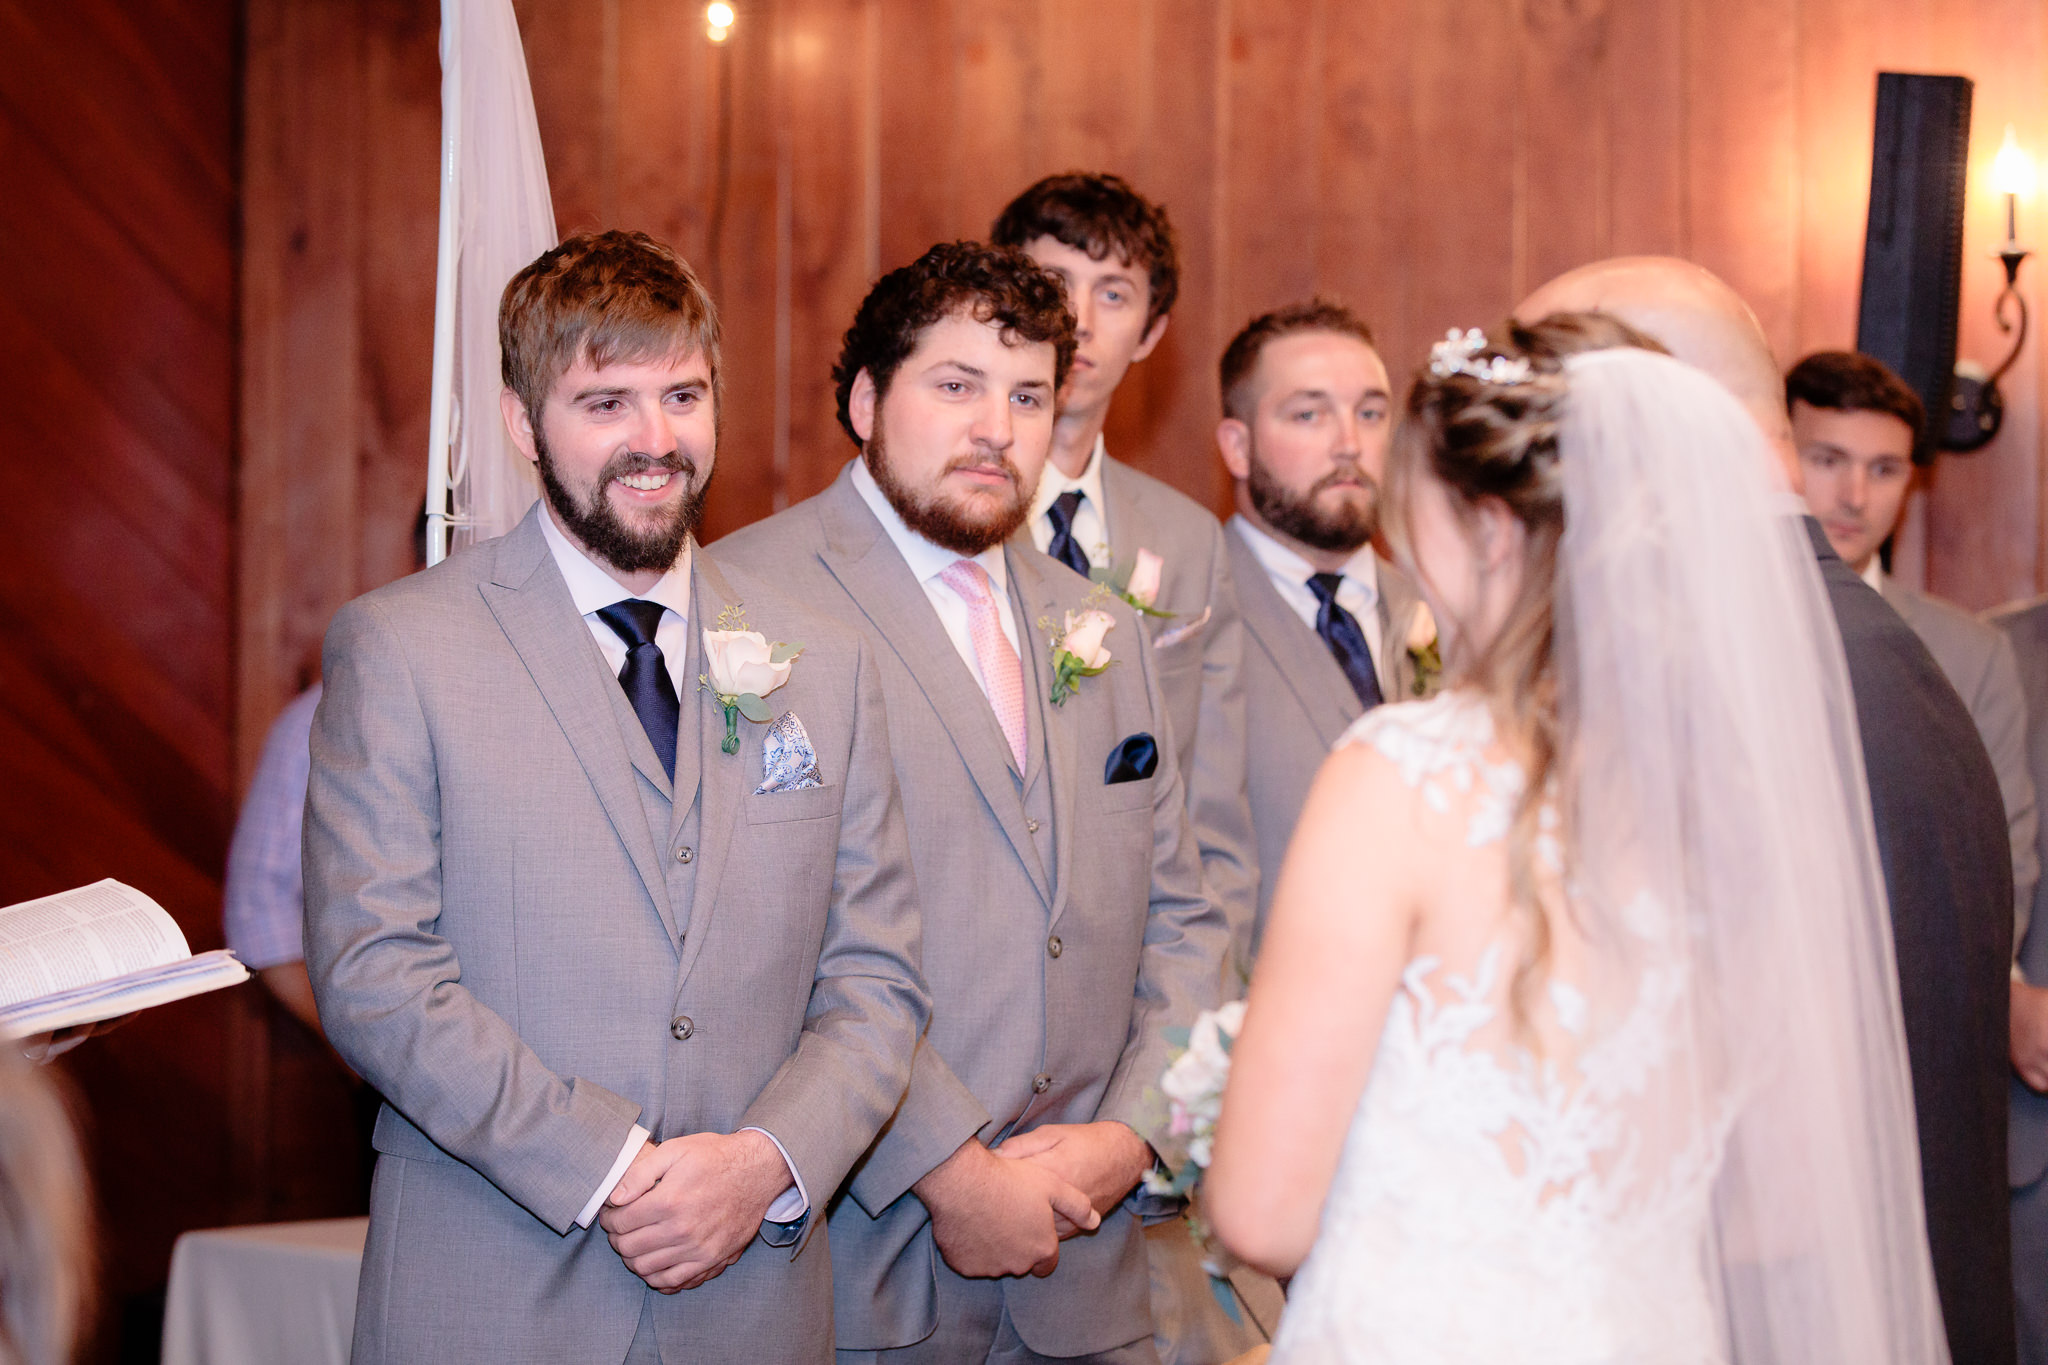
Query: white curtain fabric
496,216
1721,773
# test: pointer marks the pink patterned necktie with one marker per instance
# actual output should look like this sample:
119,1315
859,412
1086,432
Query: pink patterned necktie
1001,674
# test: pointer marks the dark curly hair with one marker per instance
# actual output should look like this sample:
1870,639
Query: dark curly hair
601,297
998,285
1098,213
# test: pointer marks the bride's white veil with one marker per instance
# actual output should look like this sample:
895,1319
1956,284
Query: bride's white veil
1716,764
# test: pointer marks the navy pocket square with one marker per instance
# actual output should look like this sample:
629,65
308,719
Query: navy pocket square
1134,760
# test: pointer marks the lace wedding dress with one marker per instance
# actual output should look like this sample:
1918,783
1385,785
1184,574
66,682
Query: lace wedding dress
1486,1207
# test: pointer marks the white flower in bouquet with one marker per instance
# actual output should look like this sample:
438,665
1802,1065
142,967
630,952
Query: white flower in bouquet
1193,1086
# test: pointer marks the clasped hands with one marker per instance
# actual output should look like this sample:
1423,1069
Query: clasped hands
1006,1211
686,1209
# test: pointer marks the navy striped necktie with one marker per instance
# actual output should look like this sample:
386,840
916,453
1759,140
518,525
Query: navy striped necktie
645,677
1339,630
1062,546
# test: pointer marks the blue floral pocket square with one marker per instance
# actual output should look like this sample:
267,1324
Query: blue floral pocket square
787,760
1134,760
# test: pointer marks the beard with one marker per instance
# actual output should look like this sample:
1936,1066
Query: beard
606,534
1339,529
964,531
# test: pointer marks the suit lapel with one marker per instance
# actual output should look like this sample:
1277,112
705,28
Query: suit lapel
533,607
1298,656
722,778
865,561
1033,594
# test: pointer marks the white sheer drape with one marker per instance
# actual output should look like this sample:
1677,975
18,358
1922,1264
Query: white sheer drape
1720,770
495,217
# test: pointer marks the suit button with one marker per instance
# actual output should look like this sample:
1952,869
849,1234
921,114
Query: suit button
1040,1084
1031,825
1054,946
680,1028
684,854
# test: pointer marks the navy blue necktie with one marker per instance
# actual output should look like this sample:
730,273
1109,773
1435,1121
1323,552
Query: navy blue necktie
646,677
1062,545
1339,630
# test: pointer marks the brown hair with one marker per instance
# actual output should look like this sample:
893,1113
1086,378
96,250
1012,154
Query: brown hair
1480,440
1241,356
45,1227
1847,382
1098,213
998,285
601,297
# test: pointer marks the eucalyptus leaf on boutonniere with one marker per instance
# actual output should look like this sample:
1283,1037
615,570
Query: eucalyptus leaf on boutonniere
741,669
1076,646
1423,651
1137,584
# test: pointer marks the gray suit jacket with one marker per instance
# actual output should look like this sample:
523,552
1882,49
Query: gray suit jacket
1199,651
1059,957
1302,703
522,938
2026,626
1978,659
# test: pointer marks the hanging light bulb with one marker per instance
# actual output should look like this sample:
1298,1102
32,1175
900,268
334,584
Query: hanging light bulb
718,18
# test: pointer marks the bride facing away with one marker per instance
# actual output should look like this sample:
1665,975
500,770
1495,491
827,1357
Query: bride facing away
1575,1033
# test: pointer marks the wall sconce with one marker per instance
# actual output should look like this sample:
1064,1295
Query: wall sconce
1978,410
718,17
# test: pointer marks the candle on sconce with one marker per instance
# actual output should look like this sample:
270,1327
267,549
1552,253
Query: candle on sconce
2012,175
718,21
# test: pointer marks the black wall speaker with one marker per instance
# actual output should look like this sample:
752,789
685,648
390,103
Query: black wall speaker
1913,245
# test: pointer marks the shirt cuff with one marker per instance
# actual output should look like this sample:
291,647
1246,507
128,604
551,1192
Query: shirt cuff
635,1140
792,1204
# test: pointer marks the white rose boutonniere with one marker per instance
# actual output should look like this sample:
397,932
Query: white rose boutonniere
1077,649
741,668
1137,584
1422,649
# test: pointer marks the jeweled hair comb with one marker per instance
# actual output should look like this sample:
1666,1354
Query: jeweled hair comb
1457,354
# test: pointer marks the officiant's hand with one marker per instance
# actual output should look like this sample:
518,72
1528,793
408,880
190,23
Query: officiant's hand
1104,1160
685,1209
2030,1034
992,1217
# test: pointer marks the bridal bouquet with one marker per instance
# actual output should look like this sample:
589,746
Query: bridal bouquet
1193,1086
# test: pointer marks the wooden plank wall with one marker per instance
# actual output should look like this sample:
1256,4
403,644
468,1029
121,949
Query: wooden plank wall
117,332
1428,163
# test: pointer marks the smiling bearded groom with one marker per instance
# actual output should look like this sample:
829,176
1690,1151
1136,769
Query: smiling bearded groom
636,976
1066,929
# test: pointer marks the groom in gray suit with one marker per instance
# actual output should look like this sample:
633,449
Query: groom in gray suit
1328,622
1065,927
637,978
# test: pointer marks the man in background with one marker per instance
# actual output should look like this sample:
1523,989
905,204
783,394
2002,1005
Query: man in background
1329,624
1112,250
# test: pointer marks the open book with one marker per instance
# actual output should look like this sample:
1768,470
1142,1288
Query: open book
96,953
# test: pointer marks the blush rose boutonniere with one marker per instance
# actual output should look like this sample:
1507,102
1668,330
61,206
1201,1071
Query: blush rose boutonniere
1077,649
1423,650
1137,584
741,668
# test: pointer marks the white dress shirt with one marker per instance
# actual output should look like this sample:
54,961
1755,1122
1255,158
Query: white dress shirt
1358,593
1089,530
592,589
927,561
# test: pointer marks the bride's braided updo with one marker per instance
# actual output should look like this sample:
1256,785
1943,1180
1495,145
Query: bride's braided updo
1485,427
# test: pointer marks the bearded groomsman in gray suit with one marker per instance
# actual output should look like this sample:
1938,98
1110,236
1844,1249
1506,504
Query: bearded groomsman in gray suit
1329,624
613,956
1113,250
1065,926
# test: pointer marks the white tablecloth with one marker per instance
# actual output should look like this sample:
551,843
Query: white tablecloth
273,1294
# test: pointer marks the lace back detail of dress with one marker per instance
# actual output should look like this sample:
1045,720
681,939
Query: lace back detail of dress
1498,1200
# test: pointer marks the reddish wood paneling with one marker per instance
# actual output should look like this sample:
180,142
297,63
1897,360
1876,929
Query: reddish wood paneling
117,309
